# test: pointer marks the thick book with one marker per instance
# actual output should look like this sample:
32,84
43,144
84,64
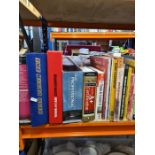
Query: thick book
54,65
24,102
112,89
89,94
72,94
99,94
119,85
131,97
104,64
124,91
133,117
127,94
37,79
129,61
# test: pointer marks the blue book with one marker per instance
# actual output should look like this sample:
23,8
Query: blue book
37,79
72,95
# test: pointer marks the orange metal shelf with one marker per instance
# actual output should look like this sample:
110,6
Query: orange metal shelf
76,130
91,35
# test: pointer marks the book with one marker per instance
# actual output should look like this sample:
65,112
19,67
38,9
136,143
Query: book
124,91
24,102
99,94
104,64
89,93
131,98
129,60
133,106
72,93
37,80
112,89
119,85
54,65
127,94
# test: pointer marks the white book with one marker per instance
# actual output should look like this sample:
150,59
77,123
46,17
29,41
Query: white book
108,88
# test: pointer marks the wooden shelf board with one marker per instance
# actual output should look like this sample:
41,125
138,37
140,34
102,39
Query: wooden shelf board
91,35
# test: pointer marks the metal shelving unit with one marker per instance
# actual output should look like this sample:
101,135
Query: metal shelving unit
76,129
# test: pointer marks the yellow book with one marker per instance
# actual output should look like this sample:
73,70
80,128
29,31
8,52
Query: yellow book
112,89
127,93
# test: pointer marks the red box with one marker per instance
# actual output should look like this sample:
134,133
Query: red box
54,68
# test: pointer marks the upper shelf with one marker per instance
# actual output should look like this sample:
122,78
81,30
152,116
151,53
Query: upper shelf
91,35
106,14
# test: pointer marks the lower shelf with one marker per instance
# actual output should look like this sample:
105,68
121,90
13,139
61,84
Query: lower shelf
77,130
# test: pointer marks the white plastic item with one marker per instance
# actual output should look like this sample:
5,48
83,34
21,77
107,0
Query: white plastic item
65,153
88,151
125,149
117,153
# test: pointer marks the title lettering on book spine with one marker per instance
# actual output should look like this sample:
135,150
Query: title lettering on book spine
39,87
72,91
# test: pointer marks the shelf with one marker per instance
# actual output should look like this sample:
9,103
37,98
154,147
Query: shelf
91,35
107,14
76,130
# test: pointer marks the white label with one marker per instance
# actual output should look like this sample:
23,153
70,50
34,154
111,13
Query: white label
33,99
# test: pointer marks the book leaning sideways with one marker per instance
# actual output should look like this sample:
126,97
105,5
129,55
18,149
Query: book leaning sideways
37,80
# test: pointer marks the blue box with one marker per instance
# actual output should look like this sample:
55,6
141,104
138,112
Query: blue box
37,79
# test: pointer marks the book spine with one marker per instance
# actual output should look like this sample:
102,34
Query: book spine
133,117
24,103
118,94
127,94
99,96
107,98
130,106
112,89
54,62
89,97
124,91
72,95
37,78
103,65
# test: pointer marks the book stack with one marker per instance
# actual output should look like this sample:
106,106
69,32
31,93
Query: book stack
61,91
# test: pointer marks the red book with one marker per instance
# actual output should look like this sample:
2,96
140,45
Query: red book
54,68
103,63
131,96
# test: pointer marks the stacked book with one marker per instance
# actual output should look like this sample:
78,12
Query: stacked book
62,91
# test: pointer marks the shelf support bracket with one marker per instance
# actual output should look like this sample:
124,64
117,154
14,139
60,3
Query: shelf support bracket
27,39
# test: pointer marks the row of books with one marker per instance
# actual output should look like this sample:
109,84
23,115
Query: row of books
54,89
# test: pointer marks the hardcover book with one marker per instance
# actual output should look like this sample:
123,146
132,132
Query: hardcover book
24,102
112,89
72,94
127,94
104,64
131,96
119,85
54,65
37,79
124,91
99,94
89,94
